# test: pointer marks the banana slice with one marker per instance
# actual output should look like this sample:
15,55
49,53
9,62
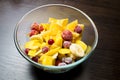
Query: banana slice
77,50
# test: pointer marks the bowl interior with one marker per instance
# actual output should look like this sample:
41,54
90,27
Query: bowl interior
42,14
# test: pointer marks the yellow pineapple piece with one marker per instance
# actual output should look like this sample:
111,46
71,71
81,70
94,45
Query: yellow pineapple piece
62,22
32,53
58,41
64,51
52,20
37,37
33,44
53,46
55,28
75,35
82,44
52,51
44,45
71,26
48,60
45,25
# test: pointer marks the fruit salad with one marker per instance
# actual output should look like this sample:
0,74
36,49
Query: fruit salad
56,43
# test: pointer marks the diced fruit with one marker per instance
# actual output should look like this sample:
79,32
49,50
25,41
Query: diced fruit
27,50
52,52
82,44
35,26
62,64
35,58
33,32
32,53
78,29
56,43
67,35
51,20
37,37
66,44
41,28
62,22
67,60
64,51
59,41
33,44
55,28
45,26
45,49
48,60
50,41
53,46
76,50
57,62
71,26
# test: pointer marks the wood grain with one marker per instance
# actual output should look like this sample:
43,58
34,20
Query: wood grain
102,65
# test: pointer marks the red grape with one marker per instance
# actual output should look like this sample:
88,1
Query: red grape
67,35
67,60
45,49
35,59
41,28
62,64
27,50
50,41
78,29
35,26
66,44
33,32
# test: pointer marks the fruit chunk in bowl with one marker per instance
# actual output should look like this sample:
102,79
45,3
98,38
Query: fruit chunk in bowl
57,42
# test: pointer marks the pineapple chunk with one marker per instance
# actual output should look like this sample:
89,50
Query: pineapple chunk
71,26
33,44
62,22
37,37
52,20
52,52
58,41
75,35
32,53
64,51
48,60
55,28
45,25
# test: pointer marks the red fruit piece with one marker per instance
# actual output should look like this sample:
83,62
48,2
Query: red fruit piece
67,35
35,26
35,59
45,49
57,62
67,60
66,44
50,41
33,32
62,64
27,50
41,28
78,29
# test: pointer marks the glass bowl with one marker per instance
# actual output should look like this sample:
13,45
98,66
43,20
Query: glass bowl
41,14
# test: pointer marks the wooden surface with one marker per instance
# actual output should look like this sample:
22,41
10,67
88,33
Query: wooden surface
104,64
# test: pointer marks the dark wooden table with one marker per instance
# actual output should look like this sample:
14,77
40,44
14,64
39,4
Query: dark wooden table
104,64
